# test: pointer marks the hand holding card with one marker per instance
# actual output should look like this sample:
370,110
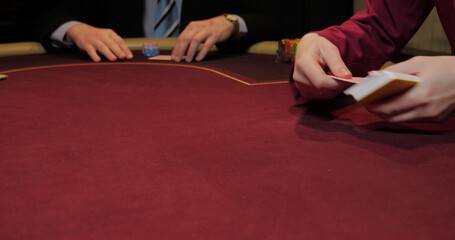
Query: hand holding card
351,80
381,85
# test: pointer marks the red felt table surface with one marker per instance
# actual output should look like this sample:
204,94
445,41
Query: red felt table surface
153,150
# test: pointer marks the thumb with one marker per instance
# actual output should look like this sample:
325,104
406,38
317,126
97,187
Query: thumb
336,65
412,66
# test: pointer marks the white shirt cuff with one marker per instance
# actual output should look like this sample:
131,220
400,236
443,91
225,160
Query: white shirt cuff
243,30
242,25
58,36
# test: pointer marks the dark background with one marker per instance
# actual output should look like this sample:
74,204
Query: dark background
18,18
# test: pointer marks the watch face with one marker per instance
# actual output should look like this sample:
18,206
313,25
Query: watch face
231,18
235,22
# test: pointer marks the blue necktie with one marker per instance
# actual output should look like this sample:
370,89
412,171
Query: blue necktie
166,19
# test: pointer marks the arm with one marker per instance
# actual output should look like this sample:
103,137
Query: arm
59,28
371,37
362,43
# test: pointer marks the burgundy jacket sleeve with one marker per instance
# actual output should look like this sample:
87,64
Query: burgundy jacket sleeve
371,37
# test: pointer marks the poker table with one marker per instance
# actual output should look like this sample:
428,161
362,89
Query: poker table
216,149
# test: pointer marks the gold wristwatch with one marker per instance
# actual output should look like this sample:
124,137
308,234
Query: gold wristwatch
235,21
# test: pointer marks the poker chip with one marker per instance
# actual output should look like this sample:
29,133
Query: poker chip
286,50
150,49
3,76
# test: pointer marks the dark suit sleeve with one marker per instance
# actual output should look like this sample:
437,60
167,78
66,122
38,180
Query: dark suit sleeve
275,20
59,14
259,17
270,19
124,17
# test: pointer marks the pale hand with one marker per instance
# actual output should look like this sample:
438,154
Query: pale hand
315,55
99,40
209,32
433,99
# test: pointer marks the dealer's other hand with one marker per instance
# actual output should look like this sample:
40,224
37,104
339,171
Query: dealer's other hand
433,99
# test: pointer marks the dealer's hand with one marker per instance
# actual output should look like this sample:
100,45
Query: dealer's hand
433,99
209,32
99,40
314,56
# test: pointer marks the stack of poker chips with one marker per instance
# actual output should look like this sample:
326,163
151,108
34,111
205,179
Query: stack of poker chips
286,50
150,49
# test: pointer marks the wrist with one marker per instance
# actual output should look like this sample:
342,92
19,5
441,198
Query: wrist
73,32
233,19
310,36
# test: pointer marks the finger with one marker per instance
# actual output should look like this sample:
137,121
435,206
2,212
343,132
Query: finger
308,91
183,41
404,117
114,48
418,116
305,73
423,112
396,105
314,72
91,51
123,46
301,81
205,50
105,51
331,56
312,88
412,66
195,42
